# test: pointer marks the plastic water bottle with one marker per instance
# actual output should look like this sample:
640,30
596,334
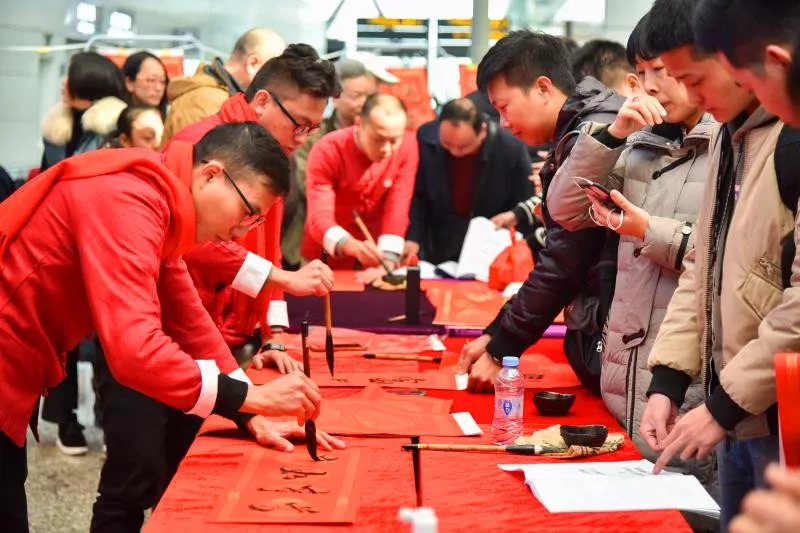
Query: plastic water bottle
509,393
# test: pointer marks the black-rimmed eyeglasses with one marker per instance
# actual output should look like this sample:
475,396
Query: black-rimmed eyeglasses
253,219
299,129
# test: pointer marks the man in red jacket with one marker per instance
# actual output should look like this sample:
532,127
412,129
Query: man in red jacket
368,168
94,244
241,283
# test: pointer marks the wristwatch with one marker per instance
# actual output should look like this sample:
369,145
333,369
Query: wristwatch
686,232
273,346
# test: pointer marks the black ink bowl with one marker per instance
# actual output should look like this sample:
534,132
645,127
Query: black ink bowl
553,403
394,279
592,436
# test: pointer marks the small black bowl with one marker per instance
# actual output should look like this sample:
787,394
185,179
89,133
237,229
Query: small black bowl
394,279
592,436
553,403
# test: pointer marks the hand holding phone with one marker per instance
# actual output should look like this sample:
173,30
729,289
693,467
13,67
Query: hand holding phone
596,191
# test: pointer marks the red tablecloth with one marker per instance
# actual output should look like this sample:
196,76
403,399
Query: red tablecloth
467,491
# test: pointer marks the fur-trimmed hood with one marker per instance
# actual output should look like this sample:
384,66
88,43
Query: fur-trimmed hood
100,118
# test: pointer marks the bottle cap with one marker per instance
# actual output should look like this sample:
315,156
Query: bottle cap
510,362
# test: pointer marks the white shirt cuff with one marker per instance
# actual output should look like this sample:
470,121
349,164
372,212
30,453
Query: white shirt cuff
251,277
278,314
391,243
239,375
332,238
208,388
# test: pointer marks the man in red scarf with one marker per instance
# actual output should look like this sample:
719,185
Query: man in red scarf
369,168
94,244
241,283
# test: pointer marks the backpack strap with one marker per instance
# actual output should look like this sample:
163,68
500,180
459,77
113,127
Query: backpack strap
787,170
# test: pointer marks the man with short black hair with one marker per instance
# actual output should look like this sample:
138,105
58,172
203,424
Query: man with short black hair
754,43
196,97
527,78
607,62
118,271
722,324
469,167
368,168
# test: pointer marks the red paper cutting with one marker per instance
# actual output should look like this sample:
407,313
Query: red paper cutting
273,487
540,371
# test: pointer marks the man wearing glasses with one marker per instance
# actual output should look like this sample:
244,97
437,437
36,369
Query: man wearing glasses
240,284
370,169
95,244
359,75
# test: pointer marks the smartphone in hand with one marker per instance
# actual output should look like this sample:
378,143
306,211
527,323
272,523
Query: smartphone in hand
597,192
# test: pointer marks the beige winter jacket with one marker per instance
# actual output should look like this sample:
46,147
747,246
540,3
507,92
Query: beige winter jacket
666,179
758,317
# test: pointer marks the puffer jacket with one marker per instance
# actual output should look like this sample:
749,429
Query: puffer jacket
96,123
565,266
194,98
758,318
666,177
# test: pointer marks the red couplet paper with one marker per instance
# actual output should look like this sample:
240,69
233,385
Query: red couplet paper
273,487
350,340
540,371
787,377
463,303
345,281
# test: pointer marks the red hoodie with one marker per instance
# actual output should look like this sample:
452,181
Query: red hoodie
93,244
230,276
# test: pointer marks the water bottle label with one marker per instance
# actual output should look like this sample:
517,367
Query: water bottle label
511,407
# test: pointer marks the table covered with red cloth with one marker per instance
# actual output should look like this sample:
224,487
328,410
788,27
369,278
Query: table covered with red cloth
467,490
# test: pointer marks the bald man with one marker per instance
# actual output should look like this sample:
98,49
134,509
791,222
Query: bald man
368,168
199,96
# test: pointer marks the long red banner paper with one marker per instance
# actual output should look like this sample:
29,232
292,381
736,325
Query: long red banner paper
273,487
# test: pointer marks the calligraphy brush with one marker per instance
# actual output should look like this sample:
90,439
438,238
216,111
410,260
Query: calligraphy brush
417,474
390,276
310,425
518,449
403,357
328,322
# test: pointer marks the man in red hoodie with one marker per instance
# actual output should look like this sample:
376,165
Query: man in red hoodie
370,169
241,283
94,244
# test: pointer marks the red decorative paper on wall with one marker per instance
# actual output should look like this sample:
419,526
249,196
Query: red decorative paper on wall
172,63
412,89
540,371
273,487
467,78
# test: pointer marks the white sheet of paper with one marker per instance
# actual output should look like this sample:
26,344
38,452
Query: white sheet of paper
586,487
512,289
482,244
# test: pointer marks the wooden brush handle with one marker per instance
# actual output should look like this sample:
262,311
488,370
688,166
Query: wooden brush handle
364,229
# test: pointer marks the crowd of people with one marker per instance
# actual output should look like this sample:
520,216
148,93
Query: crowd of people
678,286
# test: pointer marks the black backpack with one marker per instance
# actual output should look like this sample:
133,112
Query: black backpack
787,170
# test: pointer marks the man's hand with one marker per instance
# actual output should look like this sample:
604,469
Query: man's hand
505,220
410,248
364,252
693,435
471,352
636,113
483,374
771,511
315,278
291,395
285,363
276,434
535,169
657,420
634,222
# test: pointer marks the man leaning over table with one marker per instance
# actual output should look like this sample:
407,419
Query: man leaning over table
368,168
